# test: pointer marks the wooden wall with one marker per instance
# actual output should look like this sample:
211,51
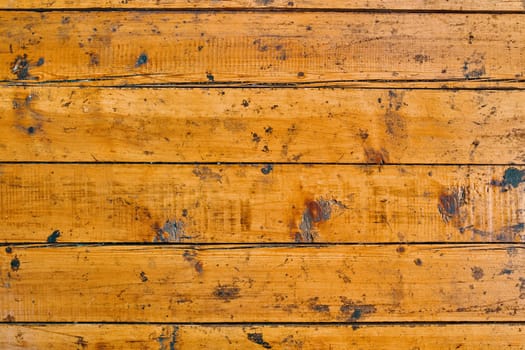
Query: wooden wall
262,174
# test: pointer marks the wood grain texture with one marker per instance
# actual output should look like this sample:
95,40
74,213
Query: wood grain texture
354,283
173,336
451,5
128,47
262,125
261,203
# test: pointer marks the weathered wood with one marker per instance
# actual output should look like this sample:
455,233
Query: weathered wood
259,47
173,336
262,125
261,203
263,284
451,5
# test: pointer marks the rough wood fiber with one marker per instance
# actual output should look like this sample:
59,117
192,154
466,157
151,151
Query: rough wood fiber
262,125
261,203
354,283
452,5
173,336
259,47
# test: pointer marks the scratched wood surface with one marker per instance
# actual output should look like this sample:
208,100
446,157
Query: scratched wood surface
286,283
262,125
126,47
436,5
262,174
341,337
261,203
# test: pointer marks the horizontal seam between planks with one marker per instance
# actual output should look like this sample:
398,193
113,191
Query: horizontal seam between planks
30,162
264,10
256,324
248,84
255,245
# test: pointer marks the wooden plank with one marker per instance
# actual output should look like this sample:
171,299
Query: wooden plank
262,125
450,5
164,337
373,283
261,203
259,47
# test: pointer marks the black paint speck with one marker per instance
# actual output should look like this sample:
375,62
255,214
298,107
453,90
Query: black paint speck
245,103
20,67
210,77
143,277
53,237
226,292
300,74
31,130
15,264
267,169
8,250
418,262
356,314
512,177
257,338
142,59
40,62
255,137
184,212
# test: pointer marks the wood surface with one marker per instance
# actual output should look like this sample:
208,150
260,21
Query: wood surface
254,283
142,47
262,174
433,5
261,203
303,337
262,125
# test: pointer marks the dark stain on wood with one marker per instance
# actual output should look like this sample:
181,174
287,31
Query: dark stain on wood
141,60
268,168
94,59
395,124
450,202
206,174
353,311
418,262
512,178
82,343
316,211
9,318
504,234
172,231
226,292
143,277
477,273
522,288
314,305
374,156
474,67
15,264
420,58
257,338
191,257
20,67
52,238
168,338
